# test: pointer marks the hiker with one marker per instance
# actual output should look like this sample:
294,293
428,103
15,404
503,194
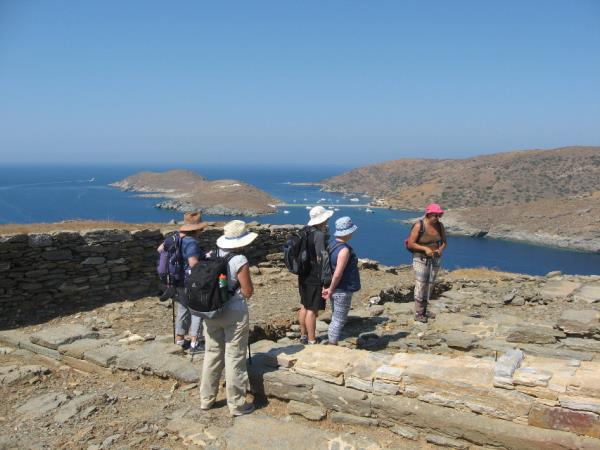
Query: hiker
345,280
427,241
310,285
226,334
185,322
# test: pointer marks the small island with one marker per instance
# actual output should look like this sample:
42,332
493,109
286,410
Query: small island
184,190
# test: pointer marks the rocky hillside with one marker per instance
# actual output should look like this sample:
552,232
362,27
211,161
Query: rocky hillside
188,191
490,180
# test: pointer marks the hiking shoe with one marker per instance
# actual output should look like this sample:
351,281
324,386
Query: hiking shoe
186,344
304,340
246,409
421,318
430,314
198,348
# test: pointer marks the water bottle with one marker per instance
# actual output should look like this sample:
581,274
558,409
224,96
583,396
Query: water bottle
223,288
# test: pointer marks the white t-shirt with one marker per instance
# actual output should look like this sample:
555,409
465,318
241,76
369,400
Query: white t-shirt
234,266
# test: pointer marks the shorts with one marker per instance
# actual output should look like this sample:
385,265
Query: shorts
310,296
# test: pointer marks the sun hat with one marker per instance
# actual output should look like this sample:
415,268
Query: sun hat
319,215
344,226
235,235
433,208
192,222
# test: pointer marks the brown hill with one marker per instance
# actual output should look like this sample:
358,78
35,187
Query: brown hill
188,191
490,180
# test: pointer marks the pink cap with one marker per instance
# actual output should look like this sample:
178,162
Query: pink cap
433,208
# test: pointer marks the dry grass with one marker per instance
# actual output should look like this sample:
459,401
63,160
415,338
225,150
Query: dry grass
77,225
479,273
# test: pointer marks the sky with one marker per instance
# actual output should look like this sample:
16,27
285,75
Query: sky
315,81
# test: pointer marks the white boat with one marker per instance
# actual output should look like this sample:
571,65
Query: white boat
309,207
330,207
336,209
91,180
354,199
369,210
285,211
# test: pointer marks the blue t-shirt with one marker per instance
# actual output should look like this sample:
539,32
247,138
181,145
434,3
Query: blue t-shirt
190,248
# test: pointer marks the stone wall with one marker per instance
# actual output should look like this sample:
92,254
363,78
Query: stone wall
517,402
48,274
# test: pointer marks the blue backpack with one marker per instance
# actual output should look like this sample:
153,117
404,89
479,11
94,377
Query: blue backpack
171,266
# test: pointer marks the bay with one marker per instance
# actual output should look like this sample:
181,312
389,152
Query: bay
32,194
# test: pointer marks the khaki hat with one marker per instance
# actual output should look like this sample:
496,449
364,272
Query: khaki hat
319,215
235,235
192,222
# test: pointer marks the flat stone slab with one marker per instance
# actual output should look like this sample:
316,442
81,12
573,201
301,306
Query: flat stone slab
13,374
61,335
459,339
582,322
559,289
78,348
103,356
589,293
278,435
43,404
307,411
534,334
76,406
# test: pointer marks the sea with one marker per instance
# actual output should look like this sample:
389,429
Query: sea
52,193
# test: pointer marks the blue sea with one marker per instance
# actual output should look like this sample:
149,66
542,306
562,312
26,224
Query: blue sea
30,194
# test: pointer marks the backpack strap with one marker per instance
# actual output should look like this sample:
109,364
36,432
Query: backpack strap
421,231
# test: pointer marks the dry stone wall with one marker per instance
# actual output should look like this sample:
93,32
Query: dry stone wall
43,275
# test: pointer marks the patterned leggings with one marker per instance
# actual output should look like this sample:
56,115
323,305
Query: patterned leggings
340,306
425,275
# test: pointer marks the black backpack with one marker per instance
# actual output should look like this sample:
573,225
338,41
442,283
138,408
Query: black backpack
206,294
295,252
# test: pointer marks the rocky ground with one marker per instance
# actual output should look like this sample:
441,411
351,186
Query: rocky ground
111,378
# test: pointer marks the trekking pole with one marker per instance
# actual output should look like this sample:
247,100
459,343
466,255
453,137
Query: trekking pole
173,308
429,266
249,353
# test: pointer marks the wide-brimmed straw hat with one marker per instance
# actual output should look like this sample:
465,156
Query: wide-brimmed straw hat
433,208
319,215
192,222
344,226
235,235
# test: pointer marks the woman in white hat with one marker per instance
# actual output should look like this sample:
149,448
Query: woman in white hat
345,280
226,335
310,285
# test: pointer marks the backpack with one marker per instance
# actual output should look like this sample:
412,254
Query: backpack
439,227
326,268
206,286
295,252
171,266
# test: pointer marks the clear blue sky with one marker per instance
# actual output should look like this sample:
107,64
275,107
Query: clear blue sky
349,82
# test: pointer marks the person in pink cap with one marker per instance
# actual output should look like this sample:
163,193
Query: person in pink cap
427,241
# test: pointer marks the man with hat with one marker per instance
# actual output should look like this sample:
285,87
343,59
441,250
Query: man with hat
185,322
310,285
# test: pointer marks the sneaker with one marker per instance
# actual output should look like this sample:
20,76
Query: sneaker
421,318
186,344
197,348
246,409
206,407
304,340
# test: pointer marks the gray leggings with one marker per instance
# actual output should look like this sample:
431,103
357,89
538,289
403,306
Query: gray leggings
340,306
185,322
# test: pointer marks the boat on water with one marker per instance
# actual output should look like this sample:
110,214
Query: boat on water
354,199
285,211
309,207
369,210
336,209
91,180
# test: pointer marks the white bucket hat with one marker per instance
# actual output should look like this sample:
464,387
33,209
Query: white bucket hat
344,226
319,215
235,235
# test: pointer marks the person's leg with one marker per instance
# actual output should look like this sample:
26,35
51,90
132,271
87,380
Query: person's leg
340,304
311,324
195,330
236,372
420,269
434,267
182,320
302,320
214,361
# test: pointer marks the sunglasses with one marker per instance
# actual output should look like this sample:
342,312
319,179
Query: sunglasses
435,215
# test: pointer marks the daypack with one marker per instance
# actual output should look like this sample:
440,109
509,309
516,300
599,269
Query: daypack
171,266
206,285
295,252
326,267
438,225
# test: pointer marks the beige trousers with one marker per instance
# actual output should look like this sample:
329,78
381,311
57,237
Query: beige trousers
226,338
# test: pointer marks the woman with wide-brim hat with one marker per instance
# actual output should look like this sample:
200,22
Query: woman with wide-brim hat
226,334
427,241
185,322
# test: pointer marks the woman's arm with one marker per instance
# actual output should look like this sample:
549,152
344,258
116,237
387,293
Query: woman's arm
246,287
342,261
